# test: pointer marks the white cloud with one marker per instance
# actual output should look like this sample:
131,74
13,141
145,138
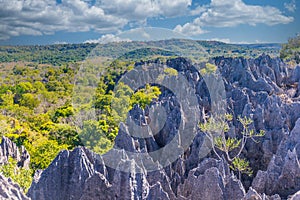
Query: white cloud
229,13
107,39
150,34
143,9
189,29
37,17
224,40
291,6
60,42
198,10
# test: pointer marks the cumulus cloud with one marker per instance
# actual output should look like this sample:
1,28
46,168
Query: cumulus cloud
143,9
230,13
107,39
189,29
291,6
38,17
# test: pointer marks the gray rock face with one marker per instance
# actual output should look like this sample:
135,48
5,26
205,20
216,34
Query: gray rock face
81,174
283,173
10,149
296,196
262,88
211,181
10,190
68,175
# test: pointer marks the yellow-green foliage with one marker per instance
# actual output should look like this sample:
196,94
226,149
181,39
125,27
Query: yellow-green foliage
19,175
42,151
171,72
241,165
145,96
291,50
94,137
35,101
168,72
114,107
216,128
228,145
209,69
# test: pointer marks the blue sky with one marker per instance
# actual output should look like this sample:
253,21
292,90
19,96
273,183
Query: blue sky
77,21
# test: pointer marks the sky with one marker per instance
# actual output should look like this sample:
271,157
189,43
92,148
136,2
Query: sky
39,22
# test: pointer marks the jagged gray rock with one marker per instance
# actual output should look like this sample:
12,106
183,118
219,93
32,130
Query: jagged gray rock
10,190
262,88
252,195
296,196
66,176
211,174
10,149
283,173
156,192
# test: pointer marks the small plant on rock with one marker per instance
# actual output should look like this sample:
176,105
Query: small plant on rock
228,148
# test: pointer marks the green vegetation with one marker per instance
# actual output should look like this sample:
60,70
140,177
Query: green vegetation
228,148
145,96
146,53
61,54
291,50
35,102
50,54
19,175
171,72
37,93
209,69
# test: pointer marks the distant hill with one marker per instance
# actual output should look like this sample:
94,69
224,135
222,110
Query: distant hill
59,54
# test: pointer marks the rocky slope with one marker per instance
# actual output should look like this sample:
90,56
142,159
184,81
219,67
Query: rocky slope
10,149
9,189
262,88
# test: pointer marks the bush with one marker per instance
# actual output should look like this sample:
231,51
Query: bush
29,100
42,151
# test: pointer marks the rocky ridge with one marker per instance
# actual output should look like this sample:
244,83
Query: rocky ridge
264,89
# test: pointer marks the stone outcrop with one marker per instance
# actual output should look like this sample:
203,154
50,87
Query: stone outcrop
283,172
10,149
262,88
10,190
296,196
211,174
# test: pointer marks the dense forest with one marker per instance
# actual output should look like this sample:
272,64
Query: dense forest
37,84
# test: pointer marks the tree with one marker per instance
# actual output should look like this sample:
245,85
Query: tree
7,99
291,50
145,96
227,148
63,112
29,100
65,134
94,137
209,69
24,87
42,151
